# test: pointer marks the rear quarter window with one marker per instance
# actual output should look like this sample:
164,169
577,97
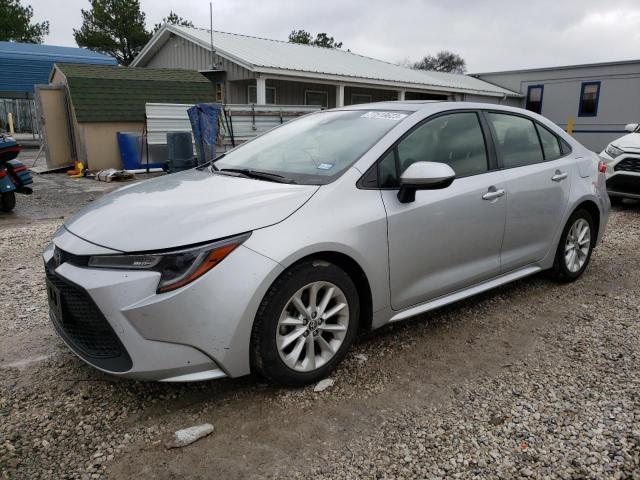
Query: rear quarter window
550,143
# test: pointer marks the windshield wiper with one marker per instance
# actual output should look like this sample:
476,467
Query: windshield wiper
248,172
211,163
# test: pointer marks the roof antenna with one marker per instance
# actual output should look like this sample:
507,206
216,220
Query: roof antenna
213,63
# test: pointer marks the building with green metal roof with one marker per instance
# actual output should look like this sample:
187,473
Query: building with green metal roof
84,106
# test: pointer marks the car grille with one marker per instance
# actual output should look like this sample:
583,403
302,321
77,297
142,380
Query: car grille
79,321
628,165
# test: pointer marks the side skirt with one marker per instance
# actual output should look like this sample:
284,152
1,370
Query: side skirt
467,292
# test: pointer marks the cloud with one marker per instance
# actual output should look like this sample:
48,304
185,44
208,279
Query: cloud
490,35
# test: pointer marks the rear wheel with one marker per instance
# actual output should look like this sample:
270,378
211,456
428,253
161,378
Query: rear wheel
305,324
575,247
7,201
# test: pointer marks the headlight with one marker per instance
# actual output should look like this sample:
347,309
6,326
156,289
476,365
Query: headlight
613,151
177,268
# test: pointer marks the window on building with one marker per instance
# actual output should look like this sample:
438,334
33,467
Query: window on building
357,98
516,140
316,97
534,98
219,92
270,94
589,96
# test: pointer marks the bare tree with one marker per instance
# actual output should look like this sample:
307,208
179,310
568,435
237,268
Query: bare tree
443,61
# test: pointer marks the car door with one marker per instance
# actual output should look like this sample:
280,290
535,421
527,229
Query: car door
538,183
448,238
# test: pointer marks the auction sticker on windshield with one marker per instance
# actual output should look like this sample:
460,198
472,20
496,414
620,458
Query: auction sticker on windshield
385,115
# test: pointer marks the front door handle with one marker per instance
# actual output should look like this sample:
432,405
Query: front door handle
559,176
493,193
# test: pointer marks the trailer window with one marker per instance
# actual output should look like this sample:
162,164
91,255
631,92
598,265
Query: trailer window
589,97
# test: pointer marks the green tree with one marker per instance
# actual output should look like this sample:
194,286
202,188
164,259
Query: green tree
324,40
300,36
16,26
173,19
115,27
321,40
443,61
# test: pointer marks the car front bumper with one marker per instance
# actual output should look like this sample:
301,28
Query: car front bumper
623,175
198,332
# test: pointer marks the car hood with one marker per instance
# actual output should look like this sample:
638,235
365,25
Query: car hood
628,142
185,208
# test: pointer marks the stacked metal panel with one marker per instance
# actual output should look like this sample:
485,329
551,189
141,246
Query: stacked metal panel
244,121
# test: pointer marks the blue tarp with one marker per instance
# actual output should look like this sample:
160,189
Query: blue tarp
204,123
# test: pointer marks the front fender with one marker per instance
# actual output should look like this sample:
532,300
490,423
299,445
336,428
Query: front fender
356,227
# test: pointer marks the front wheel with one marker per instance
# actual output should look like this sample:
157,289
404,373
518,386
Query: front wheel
575,247
7,201
305,324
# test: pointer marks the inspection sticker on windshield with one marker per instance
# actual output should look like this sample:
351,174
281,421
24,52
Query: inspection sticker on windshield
325,166
385,115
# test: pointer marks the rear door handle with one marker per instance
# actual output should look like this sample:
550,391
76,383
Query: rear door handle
493,193
559,176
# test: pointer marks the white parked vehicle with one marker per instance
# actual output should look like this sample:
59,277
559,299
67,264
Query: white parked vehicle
622,158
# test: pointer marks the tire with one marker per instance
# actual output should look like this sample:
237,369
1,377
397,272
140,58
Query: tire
275,354
564,270
7,201
616,201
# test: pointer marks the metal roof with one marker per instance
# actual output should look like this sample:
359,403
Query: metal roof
290,59
562,67
23,65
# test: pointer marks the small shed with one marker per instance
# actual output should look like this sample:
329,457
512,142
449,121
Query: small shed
84,106
23,65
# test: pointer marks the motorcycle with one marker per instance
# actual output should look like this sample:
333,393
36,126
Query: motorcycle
14,176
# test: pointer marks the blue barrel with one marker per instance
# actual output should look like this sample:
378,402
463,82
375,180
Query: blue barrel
130,144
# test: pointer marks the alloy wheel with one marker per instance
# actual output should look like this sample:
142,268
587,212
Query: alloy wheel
576,249
312,326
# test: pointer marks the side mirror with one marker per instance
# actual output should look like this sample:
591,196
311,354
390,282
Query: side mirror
424,176
631,127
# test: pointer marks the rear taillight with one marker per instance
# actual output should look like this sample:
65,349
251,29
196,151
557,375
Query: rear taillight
602,167
3,173
21,168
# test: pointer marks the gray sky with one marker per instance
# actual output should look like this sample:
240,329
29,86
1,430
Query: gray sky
490,35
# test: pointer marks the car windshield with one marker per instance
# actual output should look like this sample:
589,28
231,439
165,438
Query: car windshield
313,149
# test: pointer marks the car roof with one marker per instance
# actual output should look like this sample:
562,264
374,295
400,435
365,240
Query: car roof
429,105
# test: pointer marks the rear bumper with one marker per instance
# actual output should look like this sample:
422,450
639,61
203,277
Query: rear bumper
201,331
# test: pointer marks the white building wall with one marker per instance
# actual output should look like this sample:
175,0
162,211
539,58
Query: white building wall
618,104
508,101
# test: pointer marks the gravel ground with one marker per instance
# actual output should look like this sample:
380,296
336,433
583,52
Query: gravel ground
531,380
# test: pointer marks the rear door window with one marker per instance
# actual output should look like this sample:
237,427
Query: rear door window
516,140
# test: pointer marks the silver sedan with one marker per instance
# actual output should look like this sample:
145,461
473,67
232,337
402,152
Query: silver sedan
272,257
